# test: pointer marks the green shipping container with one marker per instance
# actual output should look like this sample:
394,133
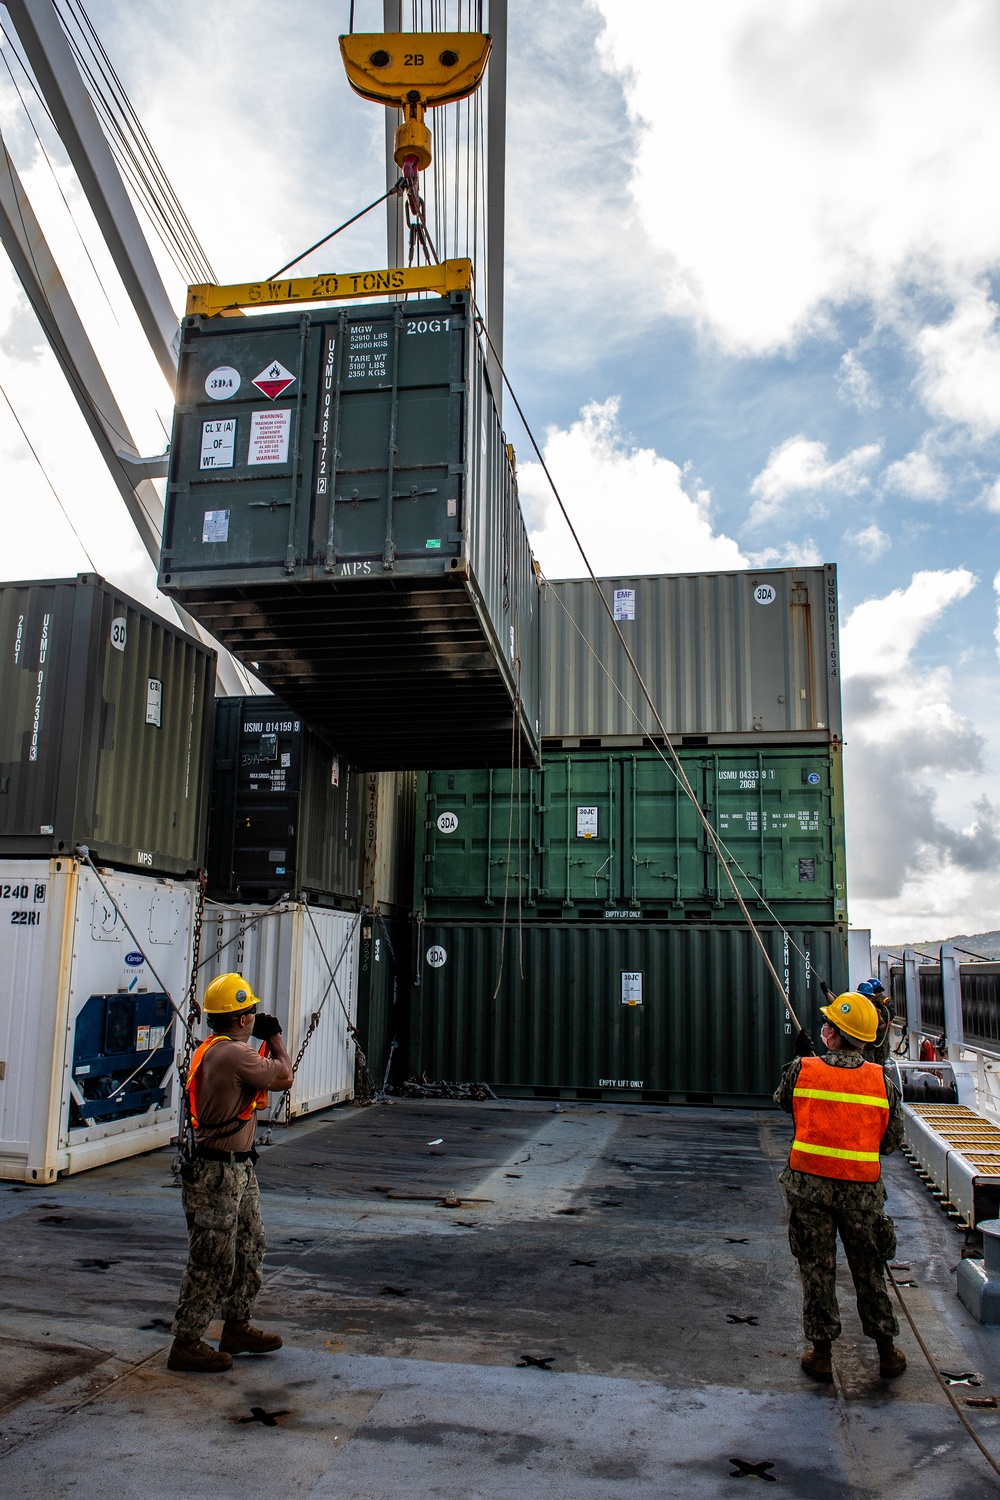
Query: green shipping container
342,513
664,1014
596,834
105,728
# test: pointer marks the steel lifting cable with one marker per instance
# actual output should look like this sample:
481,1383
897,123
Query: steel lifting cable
678,766
960,1414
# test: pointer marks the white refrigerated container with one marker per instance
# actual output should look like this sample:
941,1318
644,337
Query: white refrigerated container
288,954
87,1036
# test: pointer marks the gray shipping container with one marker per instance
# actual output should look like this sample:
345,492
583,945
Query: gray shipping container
665,1014
724,654
342,512
105,729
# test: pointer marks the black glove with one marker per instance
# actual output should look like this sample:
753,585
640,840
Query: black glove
827,992
804,1045
265,1027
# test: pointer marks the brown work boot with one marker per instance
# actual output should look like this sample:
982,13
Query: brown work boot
197,1355
891,1361
243,1338
818,1362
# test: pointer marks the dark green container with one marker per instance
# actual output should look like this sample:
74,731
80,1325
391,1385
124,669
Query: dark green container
105,728
385,960
286,813
342,513
660,1013
612,834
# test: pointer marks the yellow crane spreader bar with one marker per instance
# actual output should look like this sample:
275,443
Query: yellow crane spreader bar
209,301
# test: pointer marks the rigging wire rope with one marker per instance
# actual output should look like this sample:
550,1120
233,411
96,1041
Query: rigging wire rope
644,688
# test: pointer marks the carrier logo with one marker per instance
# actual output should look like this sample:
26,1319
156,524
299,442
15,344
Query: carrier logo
134,960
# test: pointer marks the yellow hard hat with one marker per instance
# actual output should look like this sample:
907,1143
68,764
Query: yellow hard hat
228,993
854,1015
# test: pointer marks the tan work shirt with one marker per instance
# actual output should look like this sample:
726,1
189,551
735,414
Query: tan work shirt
230,1075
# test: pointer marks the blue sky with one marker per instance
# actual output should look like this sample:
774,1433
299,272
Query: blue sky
753,251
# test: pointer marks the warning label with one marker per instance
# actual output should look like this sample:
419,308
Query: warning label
624,604
273,380
269,433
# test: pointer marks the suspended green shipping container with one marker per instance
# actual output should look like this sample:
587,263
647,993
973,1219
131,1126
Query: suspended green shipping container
594,834
660,1013
342,513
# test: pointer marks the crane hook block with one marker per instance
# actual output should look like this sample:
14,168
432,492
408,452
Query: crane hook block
415,71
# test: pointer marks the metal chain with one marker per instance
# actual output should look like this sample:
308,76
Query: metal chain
184,1129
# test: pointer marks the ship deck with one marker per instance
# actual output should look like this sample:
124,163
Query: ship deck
612,1311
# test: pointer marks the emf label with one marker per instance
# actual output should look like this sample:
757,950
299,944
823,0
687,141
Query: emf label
215,527
586,822
624,604
631,988
218,443
447,822
269,434
154,701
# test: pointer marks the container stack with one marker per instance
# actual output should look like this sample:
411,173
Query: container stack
579,936
104,743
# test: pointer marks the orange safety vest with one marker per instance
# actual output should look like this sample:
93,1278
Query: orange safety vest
840,1117
258,1101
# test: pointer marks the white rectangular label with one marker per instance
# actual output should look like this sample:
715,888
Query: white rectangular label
335,771
215,527
154,701
269,434
624,604
586,822
218,443
631,989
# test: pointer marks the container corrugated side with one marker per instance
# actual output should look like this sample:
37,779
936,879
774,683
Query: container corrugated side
298,960
751,653
377,571
709,1027
389,826
593,831
105,734
384,966
286,814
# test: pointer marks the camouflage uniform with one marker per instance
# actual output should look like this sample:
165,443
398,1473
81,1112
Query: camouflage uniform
820,1207
226,1253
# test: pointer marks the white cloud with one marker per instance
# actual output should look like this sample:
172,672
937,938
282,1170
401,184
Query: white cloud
918,476
996,633
991,496
799,467
911,871
804,553
960,381
855,384
870,540
628,505
792,153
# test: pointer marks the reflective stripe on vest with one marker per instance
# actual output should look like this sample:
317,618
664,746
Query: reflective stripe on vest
258,1101
840,1116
